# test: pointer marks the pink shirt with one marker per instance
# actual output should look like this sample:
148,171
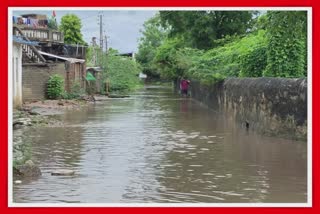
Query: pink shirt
184,84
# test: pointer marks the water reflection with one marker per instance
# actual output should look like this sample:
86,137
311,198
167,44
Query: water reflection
158,147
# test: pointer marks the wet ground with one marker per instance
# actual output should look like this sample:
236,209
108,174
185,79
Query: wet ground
155,147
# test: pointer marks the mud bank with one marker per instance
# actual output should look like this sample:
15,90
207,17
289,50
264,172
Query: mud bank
30,116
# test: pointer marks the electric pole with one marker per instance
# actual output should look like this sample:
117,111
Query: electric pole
101,36
106,38
94,56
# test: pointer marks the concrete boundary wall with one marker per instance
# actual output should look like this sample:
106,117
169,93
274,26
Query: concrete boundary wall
272,106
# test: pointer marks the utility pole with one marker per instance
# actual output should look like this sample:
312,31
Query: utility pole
101,36
106,38
94,57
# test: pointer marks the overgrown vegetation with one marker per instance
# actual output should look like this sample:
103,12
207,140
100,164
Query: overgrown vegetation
55,87
119,71
153,36
287,43
210,46
122,72
75,92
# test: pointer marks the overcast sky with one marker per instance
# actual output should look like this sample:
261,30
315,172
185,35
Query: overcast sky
121,26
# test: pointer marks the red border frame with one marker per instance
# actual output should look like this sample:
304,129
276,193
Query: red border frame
155,3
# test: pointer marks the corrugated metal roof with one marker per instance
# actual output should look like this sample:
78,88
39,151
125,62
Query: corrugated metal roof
19,39
72,60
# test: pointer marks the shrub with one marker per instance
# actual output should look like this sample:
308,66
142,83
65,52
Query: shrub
76,92
55,86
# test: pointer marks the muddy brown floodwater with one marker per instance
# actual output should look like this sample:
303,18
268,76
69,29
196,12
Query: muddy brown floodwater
155,147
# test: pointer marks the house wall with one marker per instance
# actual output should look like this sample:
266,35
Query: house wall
17,75
35,78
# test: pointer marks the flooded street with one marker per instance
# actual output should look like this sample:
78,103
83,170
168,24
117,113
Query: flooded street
155,147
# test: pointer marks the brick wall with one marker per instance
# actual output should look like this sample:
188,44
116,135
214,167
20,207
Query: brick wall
35,78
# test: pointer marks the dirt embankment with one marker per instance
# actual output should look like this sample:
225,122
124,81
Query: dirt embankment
36,114
39,112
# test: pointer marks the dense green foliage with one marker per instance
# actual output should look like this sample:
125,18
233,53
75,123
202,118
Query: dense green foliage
287,36
120,72
55,87
153,36
199,29
254,62
233,59
272,44
166,59
71,27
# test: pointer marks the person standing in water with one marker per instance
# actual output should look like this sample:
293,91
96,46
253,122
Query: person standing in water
184,86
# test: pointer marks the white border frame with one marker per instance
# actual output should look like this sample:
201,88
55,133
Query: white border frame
10,112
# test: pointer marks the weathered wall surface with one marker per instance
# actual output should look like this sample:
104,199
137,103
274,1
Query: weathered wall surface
76,73
17,75
275,106
35,78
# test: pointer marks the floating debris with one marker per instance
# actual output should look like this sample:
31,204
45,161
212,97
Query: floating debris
63,172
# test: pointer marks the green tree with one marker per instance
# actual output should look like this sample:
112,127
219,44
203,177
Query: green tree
199,29
241,57
166,58
121,72
71,27
153,35
274,46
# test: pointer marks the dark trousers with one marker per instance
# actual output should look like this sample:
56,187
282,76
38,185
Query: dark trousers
184,91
